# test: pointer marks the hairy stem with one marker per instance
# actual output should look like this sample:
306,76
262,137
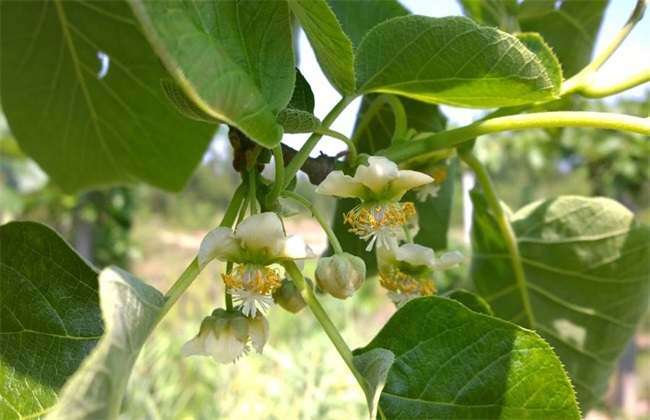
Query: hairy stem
454,138
324,320
303,154
604,90
506,230
326,227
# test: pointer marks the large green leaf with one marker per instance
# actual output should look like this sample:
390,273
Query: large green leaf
130,309
451,362
570,27
83,127
49,317
234,59
496,13
332,47
587,280
357,17
450,60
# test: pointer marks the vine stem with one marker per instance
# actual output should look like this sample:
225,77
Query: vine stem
603,90
193,269
581,80
324,320
303,154
335,134
484,180
454,138
398,111
326,227
279,176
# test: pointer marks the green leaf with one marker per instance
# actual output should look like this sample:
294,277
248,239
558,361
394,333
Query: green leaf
49,317
130,309
184,105
298,116
374,366
297,121
357,17
332,47
544,53
585,262
82,129
450,60
495,13
451,362
570,27
234,59
471,301
302,97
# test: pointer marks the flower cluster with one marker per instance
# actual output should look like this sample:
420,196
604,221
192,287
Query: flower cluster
406,271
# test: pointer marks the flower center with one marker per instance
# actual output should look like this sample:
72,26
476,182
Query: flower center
401,283
256,278
379,222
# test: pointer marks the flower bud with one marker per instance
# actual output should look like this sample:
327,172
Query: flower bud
224,336
340,275
288,296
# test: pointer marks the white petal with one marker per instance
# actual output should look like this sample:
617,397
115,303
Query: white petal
225,348
449,260
405,181
258,331
194,347
415,255
218,243
296,249
340,185
262,235
379,172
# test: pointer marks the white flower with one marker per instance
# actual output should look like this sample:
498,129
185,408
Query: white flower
381,180
224,335
256,243
380,186
407,271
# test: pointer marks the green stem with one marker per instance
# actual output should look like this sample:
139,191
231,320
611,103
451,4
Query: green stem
582,79
398,112
303,154
227,295
453,138
278,183
193,270
596,91
324,320
352,149
252,190
484,180
326,227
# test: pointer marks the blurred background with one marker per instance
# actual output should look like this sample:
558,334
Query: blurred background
155,235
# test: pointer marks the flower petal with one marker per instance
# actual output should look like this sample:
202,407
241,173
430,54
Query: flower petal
406,180
224,348
296,249
258,331
194,347
415,255
262,236
448,260
218,243
376,176
340,185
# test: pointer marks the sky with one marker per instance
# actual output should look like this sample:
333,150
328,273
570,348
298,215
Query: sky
631,57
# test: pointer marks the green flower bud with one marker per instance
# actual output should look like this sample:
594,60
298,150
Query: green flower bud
340,275
288,296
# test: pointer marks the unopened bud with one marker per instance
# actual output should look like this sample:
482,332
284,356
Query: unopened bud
340,275
288,296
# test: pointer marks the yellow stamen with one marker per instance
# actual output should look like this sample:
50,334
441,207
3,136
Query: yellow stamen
400,282
260,279
391,216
